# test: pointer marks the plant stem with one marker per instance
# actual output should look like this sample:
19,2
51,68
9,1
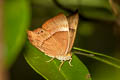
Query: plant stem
95,53
112,61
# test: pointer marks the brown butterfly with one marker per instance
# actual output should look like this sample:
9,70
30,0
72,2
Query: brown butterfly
56,37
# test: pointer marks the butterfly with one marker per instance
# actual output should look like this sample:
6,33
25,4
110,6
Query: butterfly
56,37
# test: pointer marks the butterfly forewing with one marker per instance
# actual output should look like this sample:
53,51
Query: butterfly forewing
57,23
51,47
62,38
58,43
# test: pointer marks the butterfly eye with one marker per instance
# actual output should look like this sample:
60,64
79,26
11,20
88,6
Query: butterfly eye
41,31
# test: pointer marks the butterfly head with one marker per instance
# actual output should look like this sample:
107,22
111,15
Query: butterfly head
37,36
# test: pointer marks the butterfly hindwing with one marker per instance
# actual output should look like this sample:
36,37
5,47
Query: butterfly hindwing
73,22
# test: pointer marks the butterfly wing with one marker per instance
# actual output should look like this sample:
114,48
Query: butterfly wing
58,43
73,22
63,38
38,36
55,24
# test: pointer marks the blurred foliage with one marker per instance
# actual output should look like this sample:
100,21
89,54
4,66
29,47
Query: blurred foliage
16,20
96,9
101,40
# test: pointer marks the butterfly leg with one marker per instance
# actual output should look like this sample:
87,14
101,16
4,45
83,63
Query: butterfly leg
50,59
70,62
62,62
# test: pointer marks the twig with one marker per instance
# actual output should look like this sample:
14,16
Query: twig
81,17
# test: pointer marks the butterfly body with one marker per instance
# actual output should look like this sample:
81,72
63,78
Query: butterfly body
56,37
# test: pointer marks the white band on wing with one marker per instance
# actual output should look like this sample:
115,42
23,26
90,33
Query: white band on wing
63,29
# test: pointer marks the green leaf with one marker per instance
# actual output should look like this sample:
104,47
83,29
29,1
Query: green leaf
16,19
37,60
